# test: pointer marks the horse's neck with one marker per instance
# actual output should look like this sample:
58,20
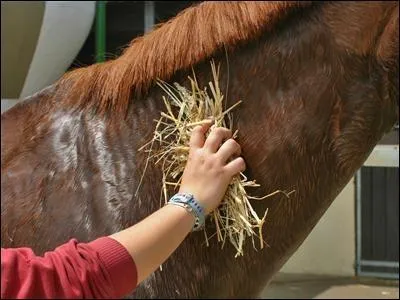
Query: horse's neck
267,76
292,85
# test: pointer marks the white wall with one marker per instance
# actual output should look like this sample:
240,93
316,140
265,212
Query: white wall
7,104
330,247
65,27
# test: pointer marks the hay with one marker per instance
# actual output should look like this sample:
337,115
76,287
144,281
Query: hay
235,219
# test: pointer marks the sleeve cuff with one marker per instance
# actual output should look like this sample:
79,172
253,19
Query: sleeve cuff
118,262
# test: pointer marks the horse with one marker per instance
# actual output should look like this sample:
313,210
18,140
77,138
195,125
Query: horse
319,85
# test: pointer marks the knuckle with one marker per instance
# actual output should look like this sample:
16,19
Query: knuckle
228,132
216,168
209,164
238,149
242,163
233,145
200,153
196,154
213,159
197,129
219,131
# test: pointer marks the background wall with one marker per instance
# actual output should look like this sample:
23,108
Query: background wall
330,248
39,41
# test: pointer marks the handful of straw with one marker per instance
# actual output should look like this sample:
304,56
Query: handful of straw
235,218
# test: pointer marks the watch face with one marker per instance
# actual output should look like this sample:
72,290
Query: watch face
186,201
188,196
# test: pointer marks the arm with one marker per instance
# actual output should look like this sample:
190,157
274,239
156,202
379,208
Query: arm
153,240
72,270
206,176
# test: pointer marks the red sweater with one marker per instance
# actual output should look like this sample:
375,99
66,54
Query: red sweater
99,269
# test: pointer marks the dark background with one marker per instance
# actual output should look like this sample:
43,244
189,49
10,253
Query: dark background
124,22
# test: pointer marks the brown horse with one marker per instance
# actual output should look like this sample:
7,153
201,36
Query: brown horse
319,84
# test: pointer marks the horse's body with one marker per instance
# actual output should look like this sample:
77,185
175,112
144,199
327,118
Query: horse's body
319,88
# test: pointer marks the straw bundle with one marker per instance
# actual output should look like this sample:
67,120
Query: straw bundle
235,218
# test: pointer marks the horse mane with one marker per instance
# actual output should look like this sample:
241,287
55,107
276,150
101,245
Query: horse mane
187,39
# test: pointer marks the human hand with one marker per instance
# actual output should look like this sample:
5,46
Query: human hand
211,166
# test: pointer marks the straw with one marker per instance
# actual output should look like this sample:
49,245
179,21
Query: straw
234,219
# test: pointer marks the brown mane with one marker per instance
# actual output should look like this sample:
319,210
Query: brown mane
185,40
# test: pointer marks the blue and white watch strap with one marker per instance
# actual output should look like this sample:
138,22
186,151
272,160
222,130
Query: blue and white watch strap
189,202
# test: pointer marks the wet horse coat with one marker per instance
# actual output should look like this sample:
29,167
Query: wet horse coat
319,84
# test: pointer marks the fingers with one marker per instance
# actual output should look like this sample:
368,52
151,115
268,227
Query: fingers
235,166
229,149
197,137
216,137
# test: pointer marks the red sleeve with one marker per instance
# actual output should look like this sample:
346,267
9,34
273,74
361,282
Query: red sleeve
99,269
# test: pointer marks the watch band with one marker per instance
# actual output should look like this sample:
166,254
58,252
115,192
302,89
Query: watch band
188,202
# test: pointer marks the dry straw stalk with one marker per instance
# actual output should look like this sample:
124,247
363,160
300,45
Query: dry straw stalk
235,219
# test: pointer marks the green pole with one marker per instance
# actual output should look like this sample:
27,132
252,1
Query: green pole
101,31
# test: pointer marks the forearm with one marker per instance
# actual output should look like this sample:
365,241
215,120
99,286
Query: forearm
154,239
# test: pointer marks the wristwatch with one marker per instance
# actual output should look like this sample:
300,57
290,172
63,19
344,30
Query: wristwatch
188,202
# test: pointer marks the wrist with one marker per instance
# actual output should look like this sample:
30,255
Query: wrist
188,202
183,214
201,200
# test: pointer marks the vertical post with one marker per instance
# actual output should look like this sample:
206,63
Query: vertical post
100,31
149,17
358,223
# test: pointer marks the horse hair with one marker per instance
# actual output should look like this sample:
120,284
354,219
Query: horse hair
190,37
